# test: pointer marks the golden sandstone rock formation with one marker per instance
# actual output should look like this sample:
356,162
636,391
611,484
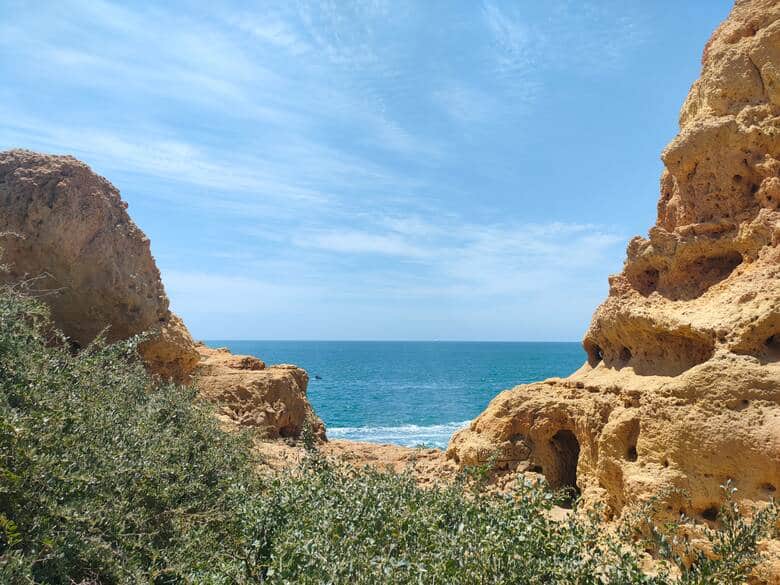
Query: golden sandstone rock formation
681,391
66,231
249,394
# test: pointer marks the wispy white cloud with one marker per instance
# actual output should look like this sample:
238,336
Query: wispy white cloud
579,37
466,104
297,172
428,271
518,52
516,40
315,139
163,158
457,257
345,31
232,295
272,30
593,37
360,242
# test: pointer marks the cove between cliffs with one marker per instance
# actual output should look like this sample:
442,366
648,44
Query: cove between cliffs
410,393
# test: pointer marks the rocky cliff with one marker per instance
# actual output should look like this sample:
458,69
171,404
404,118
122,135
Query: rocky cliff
681,390
65,231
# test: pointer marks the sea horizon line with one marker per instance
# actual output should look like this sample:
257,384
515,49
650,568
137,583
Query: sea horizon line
226,340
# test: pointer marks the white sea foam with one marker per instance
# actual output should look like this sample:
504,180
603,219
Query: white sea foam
406,435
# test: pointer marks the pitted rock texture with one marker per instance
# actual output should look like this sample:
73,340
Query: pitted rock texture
682,384
271,399
68,229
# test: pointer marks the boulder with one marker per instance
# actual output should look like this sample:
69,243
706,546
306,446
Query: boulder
66,232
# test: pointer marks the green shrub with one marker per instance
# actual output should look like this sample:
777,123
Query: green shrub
107,476
331,523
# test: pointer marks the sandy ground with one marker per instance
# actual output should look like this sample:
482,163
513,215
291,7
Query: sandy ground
430,466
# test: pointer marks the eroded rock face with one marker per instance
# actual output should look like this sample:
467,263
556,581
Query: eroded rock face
249,394
682,384
68,229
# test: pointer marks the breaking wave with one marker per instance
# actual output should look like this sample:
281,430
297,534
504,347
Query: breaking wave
406,435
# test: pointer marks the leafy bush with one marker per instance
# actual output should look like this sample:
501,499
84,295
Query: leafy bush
107,476
330,523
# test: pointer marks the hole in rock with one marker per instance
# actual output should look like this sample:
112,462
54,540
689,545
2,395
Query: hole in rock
769,487
595,353
667,353
646,282
289,432
710,513
665,463
625,355
762,340
695,278
537,469
631,439
772,344
737,178
562,473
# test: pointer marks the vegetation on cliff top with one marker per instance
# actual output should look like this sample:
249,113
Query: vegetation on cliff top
107,476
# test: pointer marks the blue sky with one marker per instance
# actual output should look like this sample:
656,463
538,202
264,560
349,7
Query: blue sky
366,169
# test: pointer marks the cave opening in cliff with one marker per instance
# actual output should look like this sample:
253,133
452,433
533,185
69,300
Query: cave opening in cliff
646,282
595,353
711,513
562,474
773,345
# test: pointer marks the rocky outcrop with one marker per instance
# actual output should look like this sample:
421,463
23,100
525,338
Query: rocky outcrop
681,390
68,230
249,394
67,234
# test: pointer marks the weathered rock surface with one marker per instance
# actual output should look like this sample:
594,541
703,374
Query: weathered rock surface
249,394
68,229
428,466
682,385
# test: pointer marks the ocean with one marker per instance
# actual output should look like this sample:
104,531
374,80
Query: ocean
407,392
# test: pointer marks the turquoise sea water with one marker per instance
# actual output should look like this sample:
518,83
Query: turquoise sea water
410,393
